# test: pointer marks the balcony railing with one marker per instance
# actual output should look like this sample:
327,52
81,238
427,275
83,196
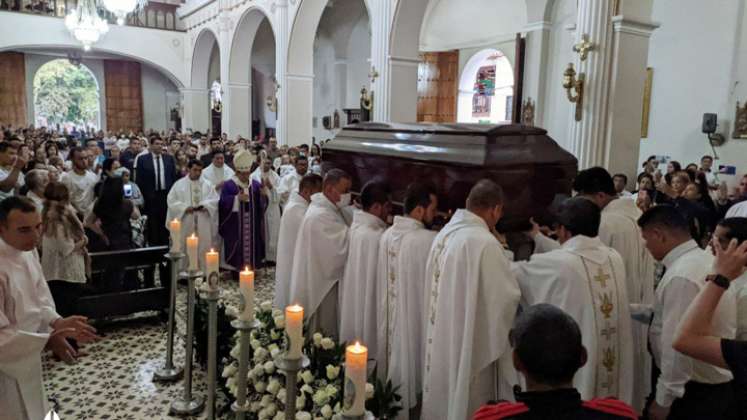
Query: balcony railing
153,15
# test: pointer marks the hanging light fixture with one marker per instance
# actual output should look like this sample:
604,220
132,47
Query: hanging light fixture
121,8
85,24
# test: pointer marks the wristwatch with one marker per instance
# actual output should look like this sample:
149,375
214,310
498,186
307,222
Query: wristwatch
719,280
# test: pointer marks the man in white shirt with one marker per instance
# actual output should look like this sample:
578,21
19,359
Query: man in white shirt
11,165
80,182
471,300
621,181
587,280
739,209
289,183
321,253
686,388
195,203
29,322
358,288
726,230
217,173
36,181
706,166
290,223
269,180
403,253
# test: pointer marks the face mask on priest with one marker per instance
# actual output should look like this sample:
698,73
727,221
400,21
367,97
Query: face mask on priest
344,200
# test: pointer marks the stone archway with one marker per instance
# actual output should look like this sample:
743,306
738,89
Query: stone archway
197,105
502,87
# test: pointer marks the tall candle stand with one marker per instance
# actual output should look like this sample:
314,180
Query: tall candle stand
189,404
168,372
291,368
240,406
212,296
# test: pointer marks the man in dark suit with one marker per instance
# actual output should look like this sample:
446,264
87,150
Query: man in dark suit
155,173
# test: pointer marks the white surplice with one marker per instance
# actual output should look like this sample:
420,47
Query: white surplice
358,291
26,310
290,223
319,262
619,231
471,300
272,213
215,175
403,253
186,193
289,184
587,280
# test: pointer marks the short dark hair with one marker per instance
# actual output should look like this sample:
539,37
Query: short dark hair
15,202
418,195
709,157
374,192
310,181
74,151
737,228
486,194
580,216
5,145
193,162
594,180
548,343
334,176
301,157
645,175
623,176
665,216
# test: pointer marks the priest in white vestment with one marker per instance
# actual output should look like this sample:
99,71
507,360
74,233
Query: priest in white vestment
403,253
194,202
290,223
471,301
289,182
29,322
587,280
321,253
270,181
358,290
217,173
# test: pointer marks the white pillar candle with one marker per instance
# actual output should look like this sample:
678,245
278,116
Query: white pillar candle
175,227
356,359
246,288
294,330
192,243
212,273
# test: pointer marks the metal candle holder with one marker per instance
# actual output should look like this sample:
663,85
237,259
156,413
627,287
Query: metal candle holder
189,404
212,297
291,368
240,407
168,372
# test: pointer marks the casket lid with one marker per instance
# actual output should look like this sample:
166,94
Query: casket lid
455,129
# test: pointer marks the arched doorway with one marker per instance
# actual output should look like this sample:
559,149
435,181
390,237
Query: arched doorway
205,70
486,88
66,95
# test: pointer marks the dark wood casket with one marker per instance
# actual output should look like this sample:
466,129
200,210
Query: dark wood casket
530,166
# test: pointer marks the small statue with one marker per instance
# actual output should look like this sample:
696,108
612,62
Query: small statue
216,96
367,104
336,119
527,112
740,122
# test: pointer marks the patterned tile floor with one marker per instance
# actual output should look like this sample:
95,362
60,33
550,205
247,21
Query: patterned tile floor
114,380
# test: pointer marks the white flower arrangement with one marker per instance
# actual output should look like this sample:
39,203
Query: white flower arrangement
319,392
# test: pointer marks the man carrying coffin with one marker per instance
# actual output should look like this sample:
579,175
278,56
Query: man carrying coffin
195,202
321,253
290,223
403,252
241,214
358,291
587,280
471,303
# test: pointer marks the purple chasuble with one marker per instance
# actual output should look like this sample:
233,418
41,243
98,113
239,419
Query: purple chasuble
242,231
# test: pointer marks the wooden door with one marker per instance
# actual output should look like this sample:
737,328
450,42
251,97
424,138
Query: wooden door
437,86
12,89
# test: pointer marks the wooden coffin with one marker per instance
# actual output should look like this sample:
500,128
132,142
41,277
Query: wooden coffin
530,166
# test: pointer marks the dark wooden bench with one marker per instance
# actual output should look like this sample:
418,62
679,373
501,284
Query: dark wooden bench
99,298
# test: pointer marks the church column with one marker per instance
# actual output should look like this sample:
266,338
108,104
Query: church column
196,113
381,25
341,77
237,110
224,45
536,65
587,137
281,63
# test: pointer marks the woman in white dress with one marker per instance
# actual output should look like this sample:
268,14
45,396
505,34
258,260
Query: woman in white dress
64,253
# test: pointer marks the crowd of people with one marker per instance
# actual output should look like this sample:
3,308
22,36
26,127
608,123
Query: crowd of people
631,304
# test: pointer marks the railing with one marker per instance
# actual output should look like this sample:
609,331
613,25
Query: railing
153,15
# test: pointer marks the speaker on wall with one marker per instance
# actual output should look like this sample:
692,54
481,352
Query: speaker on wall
710,121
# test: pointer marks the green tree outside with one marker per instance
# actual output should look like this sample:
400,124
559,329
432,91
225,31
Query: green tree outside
65,94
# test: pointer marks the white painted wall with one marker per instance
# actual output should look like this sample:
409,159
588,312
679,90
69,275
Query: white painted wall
358,64
263,71
700,65
159,93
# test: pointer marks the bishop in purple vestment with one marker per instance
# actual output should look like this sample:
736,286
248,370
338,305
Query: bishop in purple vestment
241,215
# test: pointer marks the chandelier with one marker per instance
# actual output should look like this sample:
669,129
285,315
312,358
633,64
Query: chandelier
85,24
121,8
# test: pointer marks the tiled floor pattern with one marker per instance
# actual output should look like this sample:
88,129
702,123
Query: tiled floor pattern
114,380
